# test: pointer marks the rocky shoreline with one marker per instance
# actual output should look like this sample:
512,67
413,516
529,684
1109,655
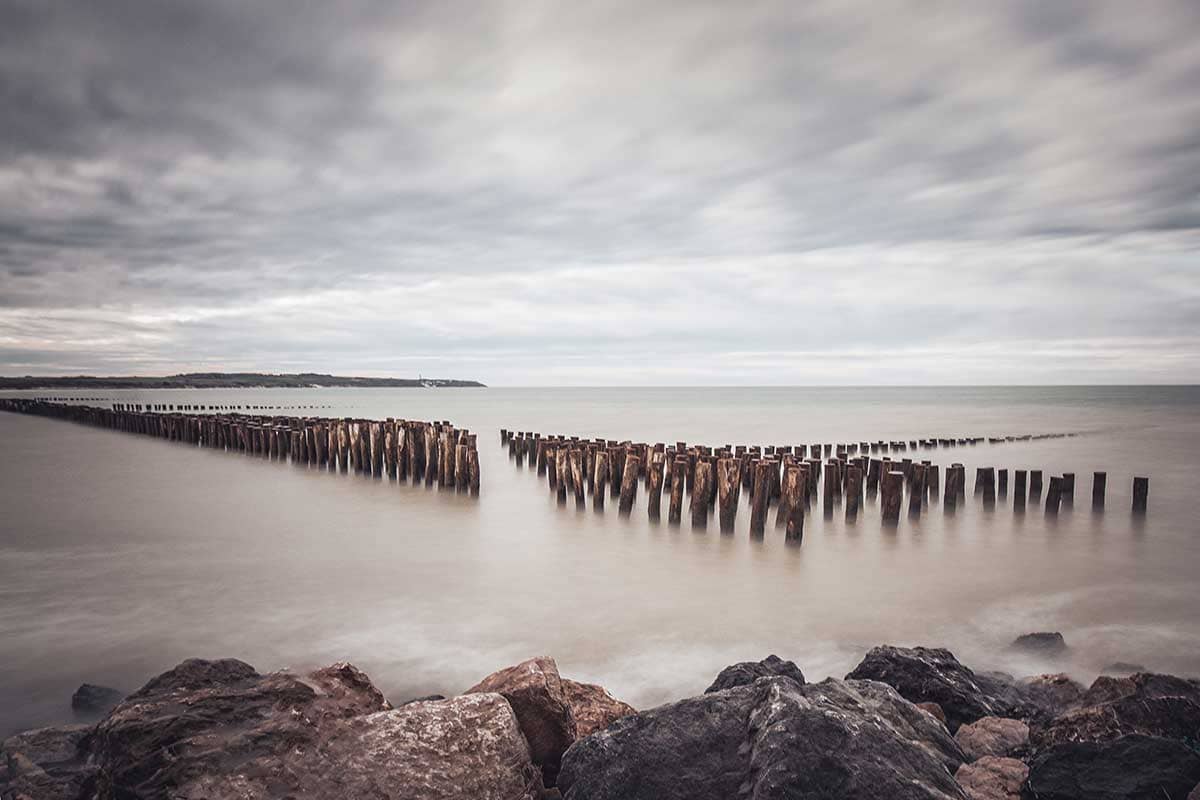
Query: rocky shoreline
906,723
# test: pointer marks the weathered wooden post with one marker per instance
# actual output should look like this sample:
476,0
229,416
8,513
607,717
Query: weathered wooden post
1002,483
1141,493
701,487
575,463
1019,490
759,497
1099,481
1035,485
1068,488
473,471
678,482
629,482
916,494
853,492
891,496
461,478
728,491
1054,495
562,472
654,484
600,470
792,496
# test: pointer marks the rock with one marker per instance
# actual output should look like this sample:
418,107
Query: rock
423,699
750,671
1054,693
935,710
219,730
1045,644
992,736
593,708
1122,668
774,738
45,764
1145,703
92,700
992,778
928,674
535,691
1129,768
1195,793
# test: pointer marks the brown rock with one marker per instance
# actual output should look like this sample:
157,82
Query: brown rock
992,778
218,730
992,736
535,691
44,764
593,708
935,710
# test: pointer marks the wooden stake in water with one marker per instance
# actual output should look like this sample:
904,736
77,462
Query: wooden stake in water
1141,493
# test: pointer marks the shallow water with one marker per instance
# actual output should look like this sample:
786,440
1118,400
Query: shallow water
121,555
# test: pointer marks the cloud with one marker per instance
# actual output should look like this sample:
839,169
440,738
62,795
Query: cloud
603,192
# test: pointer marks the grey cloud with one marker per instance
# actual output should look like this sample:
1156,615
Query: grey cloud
186,176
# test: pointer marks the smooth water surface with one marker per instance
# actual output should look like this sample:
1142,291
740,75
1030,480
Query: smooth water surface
121,555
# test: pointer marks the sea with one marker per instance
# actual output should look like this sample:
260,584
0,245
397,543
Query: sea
122,555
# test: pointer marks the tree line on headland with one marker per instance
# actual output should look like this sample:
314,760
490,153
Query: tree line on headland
221,380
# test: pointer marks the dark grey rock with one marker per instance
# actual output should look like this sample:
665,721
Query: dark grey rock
1145,703
934,675
771,739
1128,768
750,671
92,700
45,764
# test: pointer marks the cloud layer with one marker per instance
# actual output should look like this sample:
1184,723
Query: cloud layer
617,192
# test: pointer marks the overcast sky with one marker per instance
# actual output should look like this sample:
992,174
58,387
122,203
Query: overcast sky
592,193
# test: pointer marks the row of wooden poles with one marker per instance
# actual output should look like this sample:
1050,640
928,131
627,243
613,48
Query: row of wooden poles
433,452
786,476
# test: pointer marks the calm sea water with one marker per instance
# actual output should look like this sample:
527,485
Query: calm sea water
121,555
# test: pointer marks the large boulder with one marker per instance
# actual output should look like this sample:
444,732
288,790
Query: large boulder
774,738
992,736
993,778
535,691
933,675
1129,768
1145,703
91,700
45,764
593,708
750,671
218,730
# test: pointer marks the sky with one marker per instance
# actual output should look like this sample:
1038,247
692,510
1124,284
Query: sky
627,193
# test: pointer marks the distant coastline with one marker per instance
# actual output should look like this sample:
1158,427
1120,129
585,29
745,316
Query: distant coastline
225,380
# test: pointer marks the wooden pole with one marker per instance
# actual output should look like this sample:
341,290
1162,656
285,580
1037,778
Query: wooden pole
601,477
678,482
1099,481
654,484
575,463
1054,495
793,497
701,487
759,497
629,482
729,486
1141,493
1019,490
853,492
891,496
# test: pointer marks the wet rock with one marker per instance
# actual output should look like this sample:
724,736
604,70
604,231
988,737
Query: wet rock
92,700
219,730
750,671
931,674
593,708
1122,668
1043,644
1053,693
1195,793
535,691
992,736
935,710
771,739
1145,703
992,778
1129,768
45,764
